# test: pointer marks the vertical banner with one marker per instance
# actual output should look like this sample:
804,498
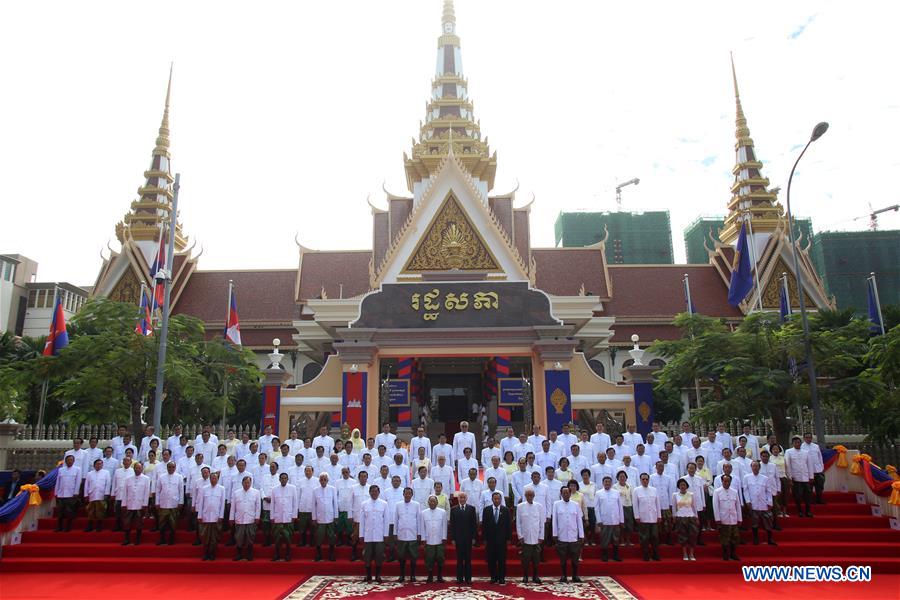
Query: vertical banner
559,399
271,403
353,402
336,419
399,397
643,406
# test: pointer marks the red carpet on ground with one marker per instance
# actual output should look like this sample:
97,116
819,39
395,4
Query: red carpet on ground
841,533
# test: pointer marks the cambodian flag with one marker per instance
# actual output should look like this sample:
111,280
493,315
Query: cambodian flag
232,324
159,264
742,271
145,323
58,337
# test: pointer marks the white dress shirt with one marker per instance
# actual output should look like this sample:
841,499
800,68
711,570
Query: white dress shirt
326,441
385,439
608,507
305,488
420,442
405,518
68,481
814,451
96,485
445,476
542,496
445,450
647,508
521,450
325,504
508,444
799,464
500,475
488,453
601,442
530,519
211,503
283,505
567,440
463,466
632,440
169,490
345,489
462,440
665,485
136,492
723,437
757,491
360,495
567,522
374,520
696,485
433,526
726,506
118,482
519,480
245,506
422,488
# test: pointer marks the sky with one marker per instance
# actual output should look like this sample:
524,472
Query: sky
287,116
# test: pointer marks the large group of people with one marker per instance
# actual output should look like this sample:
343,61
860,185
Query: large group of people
385,498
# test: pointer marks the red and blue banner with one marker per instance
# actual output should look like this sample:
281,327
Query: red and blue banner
232,323
336,419
557,388
145,322
271,406
58,338
353,401
14,510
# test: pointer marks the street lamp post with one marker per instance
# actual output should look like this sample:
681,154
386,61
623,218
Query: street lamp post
818,131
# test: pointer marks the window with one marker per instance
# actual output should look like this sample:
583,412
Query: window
658,363
311,371
32,298
597,367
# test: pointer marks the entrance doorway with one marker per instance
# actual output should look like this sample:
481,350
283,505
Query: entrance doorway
454,395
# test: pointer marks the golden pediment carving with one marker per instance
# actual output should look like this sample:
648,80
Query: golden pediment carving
127,289
771,298
451,242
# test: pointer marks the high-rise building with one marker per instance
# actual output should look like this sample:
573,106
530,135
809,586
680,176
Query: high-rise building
846,258
699,235
632,238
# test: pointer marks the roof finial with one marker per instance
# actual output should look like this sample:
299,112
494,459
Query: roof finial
740,121
449,15
162,141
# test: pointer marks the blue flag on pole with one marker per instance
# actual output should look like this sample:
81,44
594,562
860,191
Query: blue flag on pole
784,304
741,273
692,310
877,327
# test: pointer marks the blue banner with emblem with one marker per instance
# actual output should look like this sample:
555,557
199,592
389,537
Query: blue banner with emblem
398,392
559,399
643,406
510,391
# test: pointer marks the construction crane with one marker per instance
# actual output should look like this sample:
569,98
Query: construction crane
873,215
619,187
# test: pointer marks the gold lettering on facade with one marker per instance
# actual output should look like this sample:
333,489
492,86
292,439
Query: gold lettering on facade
486,300
414,301
429,297
431,302
452,302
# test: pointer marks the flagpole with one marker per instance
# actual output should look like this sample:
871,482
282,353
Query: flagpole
225,367
690,307
153,305
753,258
46,383
164,333
877,301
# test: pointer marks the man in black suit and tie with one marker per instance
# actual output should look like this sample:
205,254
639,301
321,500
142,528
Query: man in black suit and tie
497,526
463,526
14,487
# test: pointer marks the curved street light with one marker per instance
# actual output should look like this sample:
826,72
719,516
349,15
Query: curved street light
818,131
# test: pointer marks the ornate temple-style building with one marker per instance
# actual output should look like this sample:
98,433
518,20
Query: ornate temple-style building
452,314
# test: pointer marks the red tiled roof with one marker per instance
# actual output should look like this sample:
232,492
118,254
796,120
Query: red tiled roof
330,269
261,295
561,271
658,291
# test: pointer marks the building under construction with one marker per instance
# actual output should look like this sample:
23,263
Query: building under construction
846,258
634,237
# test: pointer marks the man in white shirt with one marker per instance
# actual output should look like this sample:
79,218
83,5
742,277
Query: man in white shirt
659,435
169,500
110,464
68,487
343,525
522,447
724,438
665,487
360,495
399,469
610,516
535,439
283,512
91,453
305,488
727,512
752,441
631,437
487,494
466,463
818,468
420,441
578,461
542,496
686,434
405,518
78,453
324,513
463,439
174,440
442,448
622,449
243,448
96,489
647,514
490,449
422,486
433,529
135,499
586,448
546,458
520,479
498,473
713,450
374,527
385,438
443,472
600,439
567,439
265,440
758,494
742,461
530,519
799,465
508,443
641,461
472,486
246,504
324,440
118,444
568,533
149,434
118,489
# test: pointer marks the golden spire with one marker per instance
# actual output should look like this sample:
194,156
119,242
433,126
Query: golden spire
449,118
155,203
750,195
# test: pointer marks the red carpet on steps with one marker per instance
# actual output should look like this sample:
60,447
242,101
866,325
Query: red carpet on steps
842,533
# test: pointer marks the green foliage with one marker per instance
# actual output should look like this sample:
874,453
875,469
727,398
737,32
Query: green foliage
108,373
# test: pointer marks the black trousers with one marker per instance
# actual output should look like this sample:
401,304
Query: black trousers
496,560
464,561
819,485
801,491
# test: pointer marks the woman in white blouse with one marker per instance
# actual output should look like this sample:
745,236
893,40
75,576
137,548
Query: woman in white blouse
687,523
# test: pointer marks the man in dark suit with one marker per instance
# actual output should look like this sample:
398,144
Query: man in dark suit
497,526
14,487
463,527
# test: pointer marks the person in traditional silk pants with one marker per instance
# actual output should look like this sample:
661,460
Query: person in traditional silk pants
210,513
727,511
530,519
568,533
433,527
246,505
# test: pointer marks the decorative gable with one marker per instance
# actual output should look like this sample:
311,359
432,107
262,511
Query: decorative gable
451,242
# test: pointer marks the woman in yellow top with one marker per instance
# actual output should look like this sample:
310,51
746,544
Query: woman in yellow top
706,517
563,473
625,490
687,524
777,458
358,442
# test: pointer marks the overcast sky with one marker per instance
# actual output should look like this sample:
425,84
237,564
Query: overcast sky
287,115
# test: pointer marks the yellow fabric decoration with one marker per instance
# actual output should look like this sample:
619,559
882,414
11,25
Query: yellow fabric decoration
892,471
855,469
842,456
895,494
34,494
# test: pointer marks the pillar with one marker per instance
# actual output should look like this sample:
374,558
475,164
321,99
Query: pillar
641,377
553,351
359,384
558,394
8,432
274,379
